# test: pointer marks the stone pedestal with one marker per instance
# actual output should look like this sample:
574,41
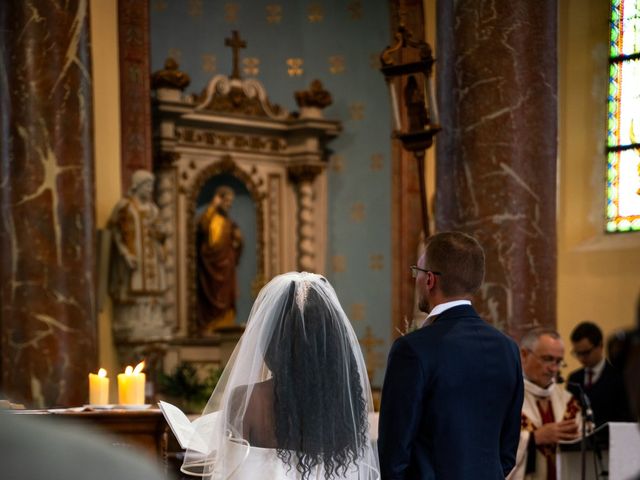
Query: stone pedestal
47,263
496,157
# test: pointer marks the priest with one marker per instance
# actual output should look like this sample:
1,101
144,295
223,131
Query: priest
549,413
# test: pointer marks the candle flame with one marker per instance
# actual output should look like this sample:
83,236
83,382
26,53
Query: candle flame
138,368
102,372
128,370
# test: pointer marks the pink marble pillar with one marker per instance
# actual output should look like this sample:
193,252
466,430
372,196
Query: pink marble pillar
496,154
47,291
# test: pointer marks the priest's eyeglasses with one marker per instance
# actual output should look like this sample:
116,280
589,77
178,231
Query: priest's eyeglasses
549,360
415,269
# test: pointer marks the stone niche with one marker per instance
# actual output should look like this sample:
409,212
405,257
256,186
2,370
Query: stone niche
231,133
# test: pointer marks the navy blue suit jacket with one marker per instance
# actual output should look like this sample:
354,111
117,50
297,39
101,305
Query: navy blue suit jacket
451,402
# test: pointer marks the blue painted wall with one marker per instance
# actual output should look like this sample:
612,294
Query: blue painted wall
289,44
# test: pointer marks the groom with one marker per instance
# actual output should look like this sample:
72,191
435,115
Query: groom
453,391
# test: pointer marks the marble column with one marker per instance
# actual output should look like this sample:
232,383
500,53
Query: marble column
47,291
496,154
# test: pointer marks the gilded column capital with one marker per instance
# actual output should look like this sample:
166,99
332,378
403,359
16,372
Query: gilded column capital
302,173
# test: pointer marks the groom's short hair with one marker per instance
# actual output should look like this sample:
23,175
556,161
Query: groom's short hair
459,259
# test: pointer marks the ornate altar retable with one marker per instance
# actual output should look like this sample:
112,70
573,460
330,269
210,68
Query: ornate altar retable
232,130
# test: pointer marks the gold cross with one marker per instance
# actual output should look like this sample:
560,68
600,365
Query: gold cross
236,44
370,343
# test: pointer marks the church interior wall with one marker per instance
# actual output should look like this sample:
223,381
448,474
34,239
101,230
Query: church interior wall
597,273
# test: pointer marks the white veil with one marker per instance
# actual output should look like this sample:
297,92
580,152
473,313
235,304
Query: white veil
294,399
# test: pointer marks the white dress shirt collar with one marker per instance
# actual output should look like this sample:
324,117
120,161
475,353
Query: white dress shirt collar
438,309
597,371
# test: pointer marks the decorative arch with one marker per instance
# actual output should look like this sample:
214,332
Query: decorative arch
226,165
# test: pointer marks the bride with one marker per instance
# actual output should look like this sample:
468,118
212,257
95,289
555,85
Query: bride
294,399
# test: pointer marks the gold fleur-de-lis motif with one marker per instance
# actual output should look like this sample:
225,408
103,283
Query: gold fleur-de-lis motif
160,5
135,74
356,111
336,64
195,8
251,66
356,312
295,67
315,13
175,53
209,62
337,163
370,344
355,9
339,263
376,261
134,36
274,13
377,162
357,212
231,12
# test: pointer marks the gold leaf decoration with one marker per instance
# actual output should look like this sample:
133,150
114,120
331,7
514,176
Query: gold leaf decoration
356,111
372,358
160,5
251,66
357,212
355,9
339,263
376,261
337,162
135,74
377,162
315,13
336,64
209,63
356,312
274,13
231,12
295,67
175,53
195,8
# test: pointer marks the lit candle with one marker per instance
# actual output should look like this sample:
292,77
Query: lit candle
99,388
131,385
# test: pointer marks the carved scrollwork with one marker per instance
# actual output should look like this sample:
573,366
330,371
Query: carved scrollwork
211,138
235,95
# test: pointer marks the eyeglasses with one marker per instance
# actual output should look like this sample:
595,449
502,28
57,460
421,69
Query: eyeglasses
415,269
549,360
583,353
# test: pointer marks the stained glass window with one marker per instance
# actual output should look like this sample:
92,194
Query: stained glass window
623,118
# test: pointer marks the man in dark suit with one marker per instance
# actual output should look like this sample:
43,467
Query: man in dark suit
602,383
453,389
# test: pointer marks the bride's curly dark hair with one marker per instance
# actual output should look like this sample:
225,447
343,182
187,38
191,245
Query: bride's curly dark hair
319,404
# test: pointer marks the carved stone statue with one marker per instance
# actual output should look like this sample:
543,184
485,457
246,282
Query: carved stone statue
137,280
219,245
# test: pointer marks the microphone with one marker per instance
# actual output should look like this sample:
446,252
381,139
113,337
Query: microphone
584,398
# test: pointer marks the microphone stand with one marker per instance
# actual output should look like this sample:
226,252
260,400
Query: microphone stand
587,415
